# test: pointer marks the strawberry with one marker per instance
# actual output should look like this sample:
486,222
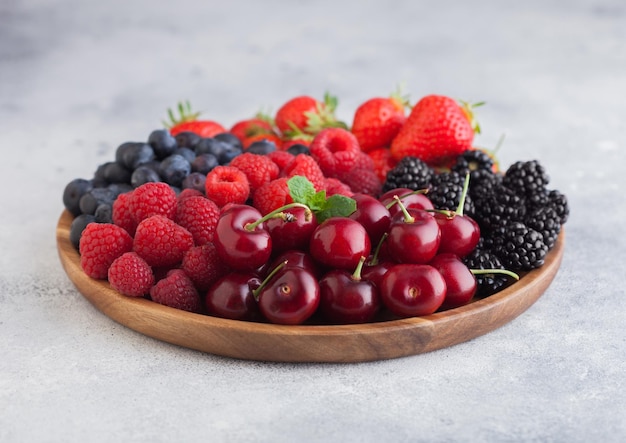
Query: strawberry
259,124
306,114
188,122
378,120
436,131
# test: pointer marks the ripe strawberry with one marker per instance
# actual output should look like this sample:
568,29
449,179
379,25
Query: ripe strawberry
378,120
260,124
437,130
188,122
306,114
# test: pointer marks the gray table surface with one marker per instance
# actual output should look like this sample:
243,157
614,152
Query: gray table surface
78,78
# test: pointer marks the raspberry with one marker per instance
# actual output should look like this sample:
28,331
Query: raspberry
336,186
130,275
100,244
203,266
306,166
272,195
363,181
161,242
199,216
258,169
336,150
383,162
189,192
281,158
227,184
122,216
153,198
176,290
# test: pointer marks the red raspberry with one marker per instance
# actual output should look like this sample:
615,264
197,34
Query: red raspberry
161,242
227,184
176,290
383,162
363,181
336,186
336,150
272,195
280,158
153,198
203,266
258,169
121,214
306,166
199,216
100,244
188,192
130,275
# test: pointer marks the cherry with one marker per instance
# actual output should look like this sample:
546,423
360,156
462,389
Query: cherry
372,214
289,296
376,266
408,197
232,297
411,290
460,282
339,242
347,298
414,236
459,233
296,259
292,229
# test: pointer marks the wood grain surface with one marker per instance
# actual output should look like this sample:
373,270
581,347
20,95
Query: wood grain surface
309,343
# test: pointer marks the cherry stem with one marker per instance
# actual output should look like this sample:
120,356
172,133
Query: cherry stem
407,217
374,260
459,209
255,292
495,271
419,191
356,276
277,213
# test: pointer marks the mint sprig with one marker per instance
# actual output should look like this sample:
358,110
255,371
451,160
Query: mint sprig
303,191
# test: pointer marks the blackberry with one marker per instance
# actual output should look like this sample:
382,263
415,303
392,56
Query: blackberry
499,206
472,161
519,247
558,201
411,173
526,178
446,192
487,284
546,221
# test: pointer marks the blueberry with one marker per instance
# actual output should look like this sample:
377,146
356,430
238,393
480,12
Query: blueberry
77,227
229,138
211,146
187,139
162,143
174,169
119,188
298,149
225,157
134,154
142,175
73,192
195,180
204,163
104,213
261,147
115,172
94,198
189,154
99,180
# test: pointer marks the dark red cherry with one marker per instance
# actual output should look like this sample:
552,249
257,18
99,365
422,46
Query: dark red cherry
292,229
340,242
296,259
414,237
459,233
232,297
410,290
290,297
460,282
373,215
409,198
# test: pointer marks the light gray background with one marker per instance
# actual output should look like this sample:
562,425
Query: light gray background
77,78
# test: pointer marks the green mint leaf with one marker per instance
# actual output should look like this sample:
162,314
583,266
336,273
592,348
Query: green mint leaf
336,206
318,201
301,189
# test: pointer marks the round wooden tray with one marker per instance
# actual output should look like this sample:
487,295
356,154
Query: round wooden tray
309,343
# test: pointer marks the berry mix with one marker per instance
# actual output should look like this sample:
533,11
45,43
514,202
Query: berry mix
301,218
